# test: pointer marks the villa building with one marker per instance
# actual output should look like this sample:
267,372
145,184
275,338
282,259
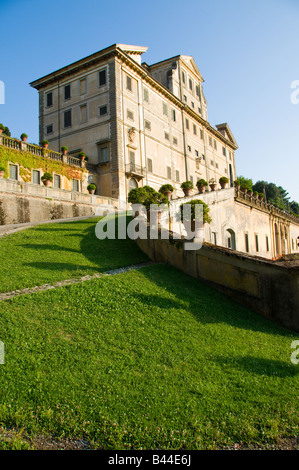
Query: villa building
138,124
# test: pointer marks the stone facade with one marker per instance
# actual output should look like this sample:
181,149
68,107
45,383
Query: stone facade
138,123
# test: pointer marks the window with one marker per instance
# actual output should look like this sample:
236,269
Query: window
103,154
76,185
224,151
212,163
196,153
199,110
35,177
256,242
165,110
129,83
246,243
217,166
214,235
183,77
49,129
132,156
210,141
49,99
185,98
191,178
192,104
267,243
189,148
67,118
194,129
201,134
83,113
147,125
67,92
13,172
173,114
56,181
175,141
169,172
198,163
203,157
83,86
130,115
230,155
102,77
187,124
177,176
166,135
215,144
198,91
146,95
150,165
103,110
190,84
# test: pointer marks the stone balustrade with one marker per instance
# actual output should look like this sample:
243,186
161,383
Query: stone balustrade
38,151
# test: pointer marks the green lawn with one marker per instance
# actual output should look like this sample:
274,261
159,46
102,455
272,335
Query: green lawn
54,252
146,359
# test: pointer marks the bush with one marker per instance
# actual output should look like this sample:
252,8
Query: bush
193,203
187,185
201,183
2,168
24,136
64,148
223,179
2,127
82,154
165,188
261,195
146,196
91,187
45,142
47,177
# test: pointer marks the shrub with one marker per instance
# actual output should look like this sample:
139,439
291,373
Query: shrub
82,154
223,179
201,183
2,168
91,187
47,177
45,142
187,185
2,127
24,136
255,193
64,148
146,196
261,195
165,188
193,203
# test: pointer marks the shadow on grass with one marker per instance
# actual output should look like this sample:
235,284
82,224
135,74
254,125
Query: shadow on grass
260,366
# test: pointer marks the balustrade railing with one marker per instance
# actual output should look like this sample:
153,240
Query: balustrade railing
38,151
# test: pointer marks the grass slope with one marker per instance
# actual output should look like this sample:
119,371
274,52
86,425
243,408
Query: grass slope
145,359
54,252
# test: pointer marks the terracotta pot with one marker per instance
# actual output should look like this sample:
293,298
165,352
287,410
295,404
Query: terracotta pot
213,186
1,174
47,183
223,185
201,189
64,152
24,139
91,191
187,191
168,194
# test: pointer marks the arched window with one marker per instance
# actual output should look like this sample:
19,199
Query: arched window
231,239
132,184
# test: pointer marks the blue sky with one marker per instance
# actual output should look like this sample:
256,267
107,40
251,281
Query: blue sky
247,52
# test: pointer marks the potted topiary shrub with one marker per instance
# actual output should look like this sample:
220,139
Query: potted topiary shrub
64,150
261,196
187,187
24,137
45,144
201,185
82,155
212,184
255,194
237,183
223,181
2,171
249,192
2,128
166,190
186,218
91,188
47,178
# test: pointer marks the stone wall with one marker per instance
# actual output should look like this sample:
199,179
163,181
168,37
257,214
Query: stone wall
268,287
